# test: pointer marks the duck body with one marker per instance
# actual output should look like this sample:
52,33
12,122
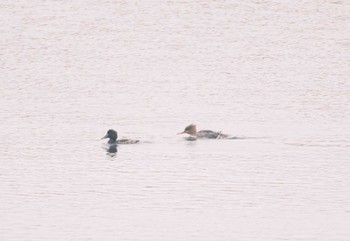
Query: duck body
113,136
202,134
127,141
210,134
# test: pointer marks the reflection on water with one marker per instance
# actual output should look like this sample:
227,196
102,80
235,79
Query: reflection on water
112,149
273,72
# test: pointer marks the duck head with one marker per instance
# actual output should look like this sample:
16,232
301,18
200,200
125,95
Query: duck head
191,130
112,135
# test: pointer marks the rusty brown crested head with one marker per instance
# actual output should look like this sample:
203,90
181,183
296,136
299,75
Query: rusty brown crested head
191,130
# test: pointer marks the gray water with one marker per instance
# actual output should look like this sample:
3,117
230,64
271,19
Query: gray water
275,73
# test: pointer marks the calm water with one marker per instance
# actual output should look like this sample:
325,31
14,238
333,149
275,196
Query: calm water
275,73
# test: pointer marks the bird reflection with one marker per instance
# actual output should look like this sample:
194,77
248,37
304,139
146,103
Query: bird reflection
112,149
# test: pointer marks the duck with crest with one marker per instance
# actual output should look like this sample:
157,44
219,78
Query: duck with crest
202,134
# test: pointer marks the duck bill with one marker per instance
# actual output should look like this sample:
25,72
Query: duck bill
104,137
181,133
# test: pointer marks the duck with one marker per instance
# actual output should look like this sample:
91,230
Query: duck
202,134
113,136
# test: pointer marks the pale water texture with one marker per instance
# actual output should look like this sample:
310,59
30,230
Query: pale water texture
275,72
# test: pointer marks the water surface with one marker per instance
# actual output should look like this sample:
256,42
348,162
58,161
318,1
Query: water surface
275,73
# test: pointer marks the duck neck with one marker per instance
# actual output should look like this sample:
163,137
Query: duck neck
193,132
112,141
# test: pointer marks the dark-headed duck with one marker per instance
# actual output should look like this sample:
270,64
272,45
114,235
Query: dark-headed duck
113,136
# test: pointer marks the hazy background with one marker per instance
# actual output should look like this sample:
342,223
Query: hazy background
274,72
